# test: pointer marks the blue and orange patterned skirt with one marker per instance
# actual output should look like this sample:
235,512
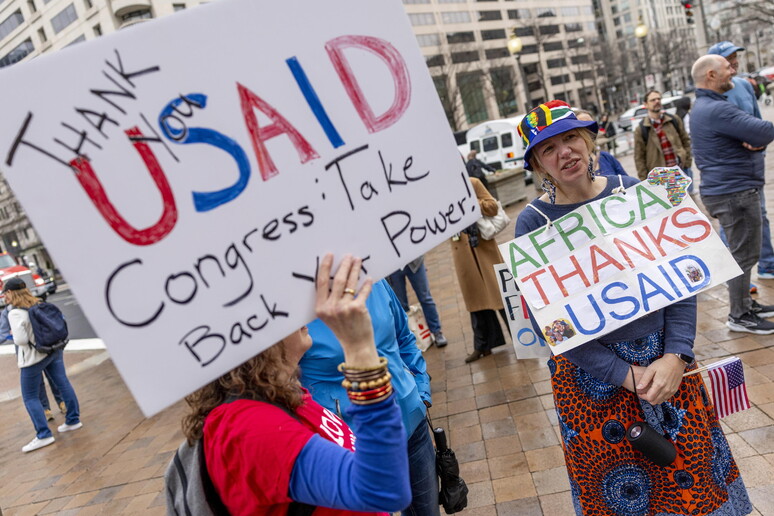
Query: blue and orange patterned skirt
610,478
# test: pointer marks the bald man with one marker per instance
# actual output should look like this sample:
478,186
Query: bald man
727,146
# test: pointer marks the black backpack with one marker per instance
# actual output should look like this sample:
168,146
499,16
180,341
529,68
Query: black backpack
190,491
49,327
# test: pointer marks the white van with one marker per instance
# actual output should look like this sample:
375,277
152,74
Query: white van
498,143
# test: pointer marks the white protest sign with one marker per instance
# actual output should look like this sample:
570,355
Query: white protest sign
614,260
526,343
188,174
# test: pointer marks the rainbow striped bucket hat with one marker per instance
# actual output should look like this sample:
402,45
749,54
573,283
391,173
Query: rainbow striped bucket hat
547,120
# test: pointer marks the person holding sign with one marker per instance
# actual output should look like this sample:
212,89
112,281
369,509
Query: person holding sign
269,447
634,373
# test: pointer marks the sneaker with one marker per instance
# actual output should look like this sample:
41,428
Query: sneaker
49,415
753,288
38,443
750,323
760,310
440,340
765,275
75,426
62,407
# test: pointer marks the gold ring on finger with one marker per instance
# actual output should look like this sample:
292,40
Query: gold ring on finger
349,291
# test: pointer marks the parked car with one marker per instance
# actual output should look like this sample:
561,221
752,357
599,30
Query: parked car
37,285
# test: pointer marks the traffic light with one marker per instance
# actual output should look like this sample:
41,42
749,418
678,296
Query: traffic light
688,5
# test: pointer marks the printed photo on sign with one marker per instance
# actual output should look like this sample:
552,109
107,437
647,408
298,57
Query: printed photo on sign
526,343
203,173
614,260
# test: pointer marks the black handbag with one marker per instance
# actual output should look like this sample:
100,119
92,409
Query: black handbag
454,493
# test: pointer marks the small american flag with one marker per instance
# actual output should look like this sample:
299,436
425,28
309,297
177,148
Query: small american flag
728,389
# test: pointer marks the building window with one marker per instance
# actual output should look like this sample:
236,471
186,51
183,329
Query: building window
465,57
428,40
10,23
65,17
545,12
489,15
422,19
569,11
31,6
141,14
97,30
573,27
42,35
487,35
436,60
553,45
77,40
519,14
502,84
460,37
496,53
579,59
528,49
561,79
17,54
178,7
456,17
472,94
549,29
556,63
87,4
524,31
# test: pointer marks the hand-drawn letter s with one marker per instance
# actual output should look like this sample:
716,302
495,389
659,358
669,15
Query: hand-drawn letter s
204,201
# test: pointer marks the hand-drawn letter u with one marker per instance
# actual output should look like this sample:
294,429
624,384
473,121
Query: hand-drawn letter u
96,192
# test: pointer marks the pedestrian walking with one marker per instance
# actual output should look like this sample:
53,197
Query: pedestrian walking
32,363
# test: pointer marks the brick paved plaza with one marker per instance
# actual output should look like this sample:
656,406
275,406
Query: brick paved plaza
499,412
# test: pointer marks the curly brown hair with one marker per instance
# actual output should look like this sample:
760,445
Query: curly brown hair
267,376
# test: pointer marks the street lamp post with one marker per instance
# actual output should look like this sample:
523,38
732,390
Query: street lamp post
641,32
514,47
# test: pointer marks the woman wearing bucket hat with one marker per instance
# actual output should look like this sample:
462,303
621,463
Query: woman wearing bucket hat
32,363
594,384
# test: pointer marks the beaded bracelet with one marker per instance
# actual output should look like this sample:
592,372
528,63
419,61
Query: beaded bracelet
348,369
367,384
373,393
386,392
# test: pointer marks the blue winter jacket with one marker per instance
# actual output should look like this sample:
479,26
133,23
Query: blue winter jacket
718,129
394,341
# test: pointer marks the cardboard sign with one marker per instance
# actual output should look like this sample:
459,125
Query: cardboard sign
188,174
614,260
526,343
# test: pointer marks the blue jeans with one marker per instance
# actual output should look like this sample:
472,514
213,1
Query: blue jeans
421,287
424,479
739,214
54,390
766,260
31,376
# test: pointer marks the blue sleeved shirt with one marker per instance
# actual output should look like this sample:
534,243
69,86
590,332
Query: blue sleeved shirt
678,320
5,326
381,453
394,340
742,95
609,166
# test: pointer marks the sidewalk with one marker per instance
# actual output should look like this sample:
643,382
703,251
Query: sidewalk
499,413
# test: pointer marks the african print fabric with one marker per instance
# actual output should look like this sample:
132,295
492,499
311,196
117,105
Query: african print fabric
610,478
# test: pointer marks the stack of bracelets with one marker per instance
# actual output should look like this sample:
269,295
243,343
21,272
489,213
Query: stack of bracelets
367,385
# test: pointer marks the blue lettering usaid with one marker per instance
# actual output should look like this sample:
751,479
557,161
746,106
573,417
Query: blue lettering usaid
614,260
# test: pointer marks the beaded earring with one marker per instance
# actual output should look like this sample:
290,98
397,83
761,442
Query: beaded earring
550,188
591,168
